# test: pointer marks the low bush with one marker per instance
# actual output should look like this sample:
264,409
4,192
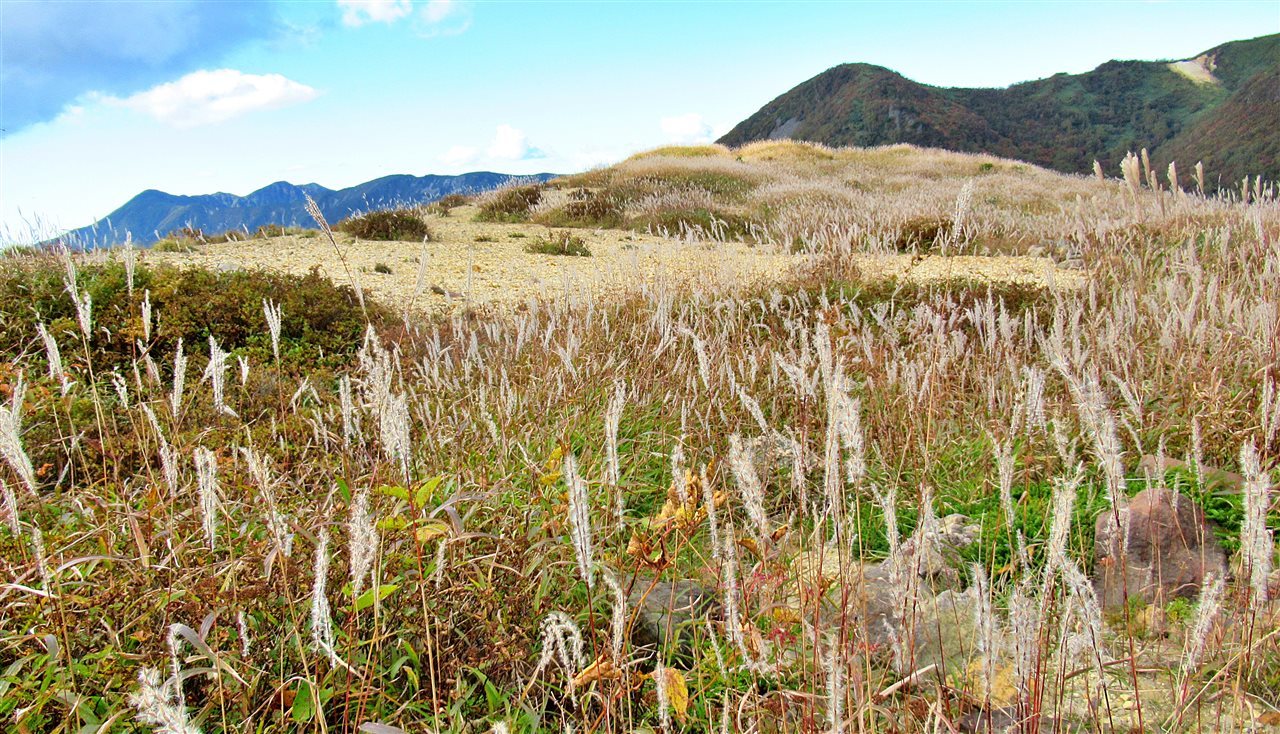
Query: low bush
322,323
445,204
923,233
509,204
708,223
586,208
559,243
387,226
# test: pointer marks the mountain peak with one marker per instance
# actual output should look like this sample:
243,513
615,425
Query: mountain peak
1206,108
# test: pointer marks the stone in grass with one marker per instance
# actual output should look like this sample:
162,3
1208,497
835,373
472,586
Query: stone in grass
672,613
1166,551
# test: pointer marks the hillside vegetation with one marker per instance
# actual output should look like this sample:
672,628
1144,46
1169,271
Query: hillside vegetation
845,498
1063,122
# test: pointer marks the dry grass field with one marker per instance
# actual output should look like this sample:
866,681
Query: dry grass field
813,440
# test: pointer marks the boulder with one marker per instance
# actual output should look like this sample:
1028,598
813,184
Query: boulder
671,611
1161,548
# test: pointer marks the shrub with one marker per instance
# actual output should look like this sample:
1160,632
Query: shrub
175,244
484,238
390,225
322,322
269,230
709,223
586,208
559,243
383,268
509,204
923,232
444,204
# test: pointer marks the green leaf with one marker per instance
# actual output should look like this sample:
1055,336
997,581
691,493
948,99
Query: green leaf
303,706
393,523
344,490
425,491
397,492
366,600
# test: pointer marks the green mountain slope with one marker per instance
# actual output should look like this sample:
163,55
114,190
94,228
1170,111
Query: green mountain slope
1223,107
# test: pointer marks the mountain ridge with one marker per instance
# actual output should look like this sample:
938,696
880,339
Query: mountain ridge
151,214
1220,106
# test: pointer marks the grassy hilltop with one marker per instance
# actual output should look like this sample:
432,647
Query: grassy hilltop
247,499
1220,107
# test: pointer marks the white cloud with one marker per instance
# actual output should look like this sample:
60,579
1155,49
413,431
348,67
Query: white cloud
690,128
209,96
459,155
356,13
511,144
438,10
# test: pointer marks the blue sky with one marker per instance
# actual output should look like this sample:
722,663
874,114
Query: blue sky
101,100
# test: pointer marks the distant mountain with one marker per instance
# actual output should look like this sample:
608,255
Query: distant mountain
151,215
1221,107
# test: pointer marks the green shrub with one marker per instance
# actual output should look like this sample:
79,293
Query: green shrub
586,209
725,225
322,322
484,238
923,232
389,225
444,204
559,243
269,230
383,268
510,204
170,244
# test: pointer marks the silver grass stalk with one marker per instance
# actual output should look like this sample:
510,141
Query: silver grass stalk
1004,474
246,641
1064,499
168,464
11,446
1200,177
579,520
744,474
244,370
216,373
799,483
1097,171
677,472
130,257
618,620
179,378
146,315
834,673
322,634
851,438
663,695
888,502
1256,544
121,387
207,486
984,620
713,520
754,409
273,313
1174,184
1084,645
612,419
54,357
158,704
562,641
10,507
277,522
42,560
83,302
362,539
394,423
1198,637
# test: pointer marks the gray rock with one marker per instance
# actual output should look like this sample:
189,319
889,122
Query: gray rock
671,612
1162,548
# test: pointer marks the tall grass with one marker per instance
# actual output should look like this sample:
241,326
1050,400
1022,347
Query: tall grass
685,508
